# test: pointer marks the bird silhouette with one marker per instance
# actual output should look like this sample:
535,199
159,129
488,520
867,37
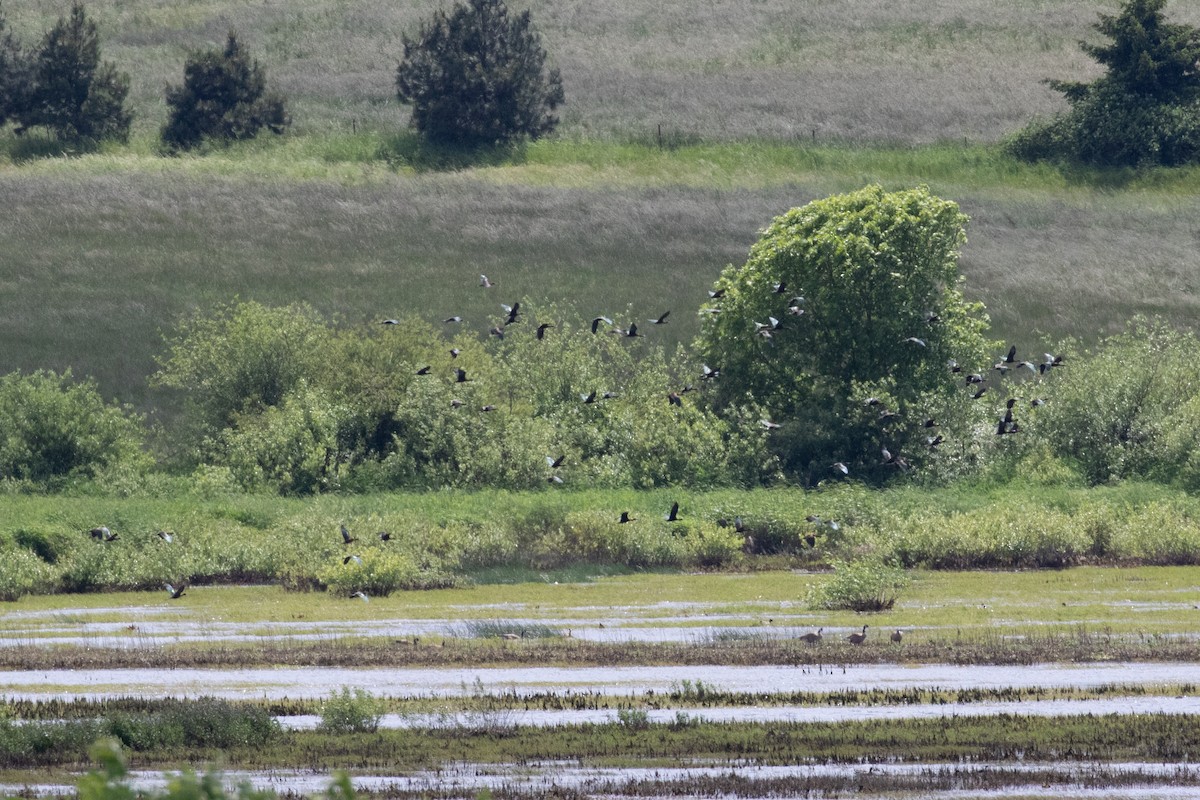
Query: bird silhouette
858,638
175,592
596,323
673,514
811,637
488,407
708,373
839,466
460,376
541,329
1011,358
457,403
390,322
423,370
385,536
449,320
897,636
355,558
779,288
497,331
717,294
588,398
553,479
632,332
512,312
555,463
166,536
674,399
454,351
661,320
915,340
346,537
484,282
361,596
609,395
626,518
769,425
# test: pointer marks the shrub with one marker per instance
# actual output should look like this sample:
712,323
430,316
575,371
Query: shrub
351,711
864,585
477,77
223,97
73,93
22,573
52,427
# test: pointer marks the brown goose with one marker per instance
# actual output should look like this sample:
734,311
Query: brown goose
858,638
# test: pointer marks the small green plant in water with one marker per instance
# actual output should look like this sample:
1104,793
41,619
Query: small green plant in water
864,585
351,711
633,719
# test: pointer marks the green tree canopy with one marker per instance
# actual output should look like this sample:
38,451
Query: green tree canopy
477,77
841,325
14,73
1145,109
223,97
73,93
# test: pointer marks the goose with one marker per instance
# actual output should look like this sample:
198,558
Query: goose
174,592
484,282
597,320
361,595
662,320
897,635
858,638
812,638
673,514
346,537
626,518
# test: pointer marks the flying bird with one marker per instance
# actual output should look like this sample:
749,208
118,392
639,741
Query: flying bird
839,466
454,351
596,322
708,373
165,536
484,282
346,537
423,370
449,320
541,329
661,320
512,312
717,294
384,536
390,322
175,593
361,596
769,425
103,534
555,463
497,331
779,288
673,514
674,399
356,559
588,398
916,341
460,376
553,479
488,407
626,518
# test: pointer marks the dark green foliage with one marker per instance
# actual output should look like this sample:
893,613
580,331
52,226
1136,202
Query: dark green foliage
860,361
52,427
223,97
1144,110
74,94
476,77
14,74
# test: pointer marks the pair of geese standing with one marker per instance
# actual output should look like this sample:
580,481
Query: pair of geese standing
854,638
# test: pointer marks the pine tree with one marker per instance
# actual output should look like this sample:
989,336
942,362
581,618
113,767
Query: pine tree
477,77
73,93
14,74
223,97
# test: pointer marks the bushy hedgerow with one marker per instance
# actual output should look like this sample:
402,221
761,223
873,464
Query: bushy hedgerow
287,403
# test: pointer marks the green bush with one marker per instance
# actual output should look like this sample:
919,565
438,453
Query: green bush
52,427
351,711
867,584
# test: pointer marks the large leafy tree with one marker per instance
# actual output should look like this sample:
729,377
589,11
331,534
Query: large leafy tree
477,76
224,97
841,325
1145,109
74,94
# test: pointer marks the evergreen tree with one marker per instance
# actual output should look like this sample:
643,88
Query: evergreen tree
224,97
73,93
14,74
1144,110
477,77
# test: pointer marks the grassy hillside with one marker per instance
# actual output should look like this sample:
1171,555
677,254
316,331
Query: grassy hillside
104,252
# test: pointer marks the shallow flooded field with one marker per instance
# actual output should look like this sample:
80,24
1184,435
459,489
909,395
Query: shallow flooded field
693,613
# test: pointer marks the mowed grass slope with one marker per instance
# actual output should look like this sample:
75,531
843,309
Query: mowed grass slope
104,253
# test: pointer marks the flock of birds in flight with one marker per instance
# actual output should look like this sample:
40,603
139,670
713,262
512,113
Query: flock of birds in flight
975,382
